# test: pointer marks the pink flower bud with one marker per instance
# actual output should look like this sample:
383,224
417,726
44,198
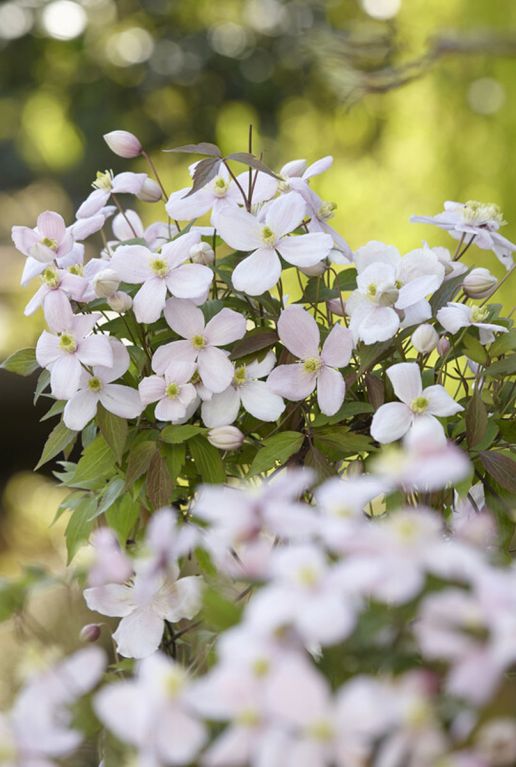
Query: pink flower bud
443,346
150,191
226,437
105,283
202,253
123,143
90,632
479,283
120,302
335,305
425,338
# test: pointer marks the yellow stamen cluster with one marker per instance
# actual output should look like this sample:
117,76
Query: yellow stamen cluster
419,405
268,236
160,267
104,180
94,384
312,365
67,342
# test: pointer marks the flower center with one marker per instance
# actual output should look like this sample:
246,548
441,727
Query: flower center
312,365
240,376
198,342
419,405
172,390
479,313
327,210
94,384
104,180
261,667
483,214
268,236
67,342
321,730
371,290
160,267
50,277
307,576
49,243
76,269
174,682
220,187
248,718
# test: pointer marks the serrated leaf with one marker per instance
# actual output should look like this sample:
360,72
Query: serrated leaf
256,340
204,172
80,525
139,461
204,147
114,430
23,362
208,461
175,435
95,465
276,451
58,439
476,420
159,483
501,468
252,161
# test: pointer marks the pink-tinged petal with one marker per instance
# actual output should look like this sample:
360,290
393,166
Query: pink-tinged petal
179,737
184,317
390,422
318,167
183,208
73,285
262,368
305,249
179,599
417,289
126,712
259,400
239,229
56,307
292,382
232,748
85,227
338,347
139,634
121,400
225,327
378,324
264,186
298,332
440,402
222,409
179,372
177,251
120,365
95,350
42,253
174,353
330,390
151,388
51,225
128,182
257,273
215,369
48,350
32,268
189,280
24,238
406,381
80,409
124,226
149,302
37,300
169,409
132,263
113,600
297,693
65,376
82,324
453,317
93,203
285,214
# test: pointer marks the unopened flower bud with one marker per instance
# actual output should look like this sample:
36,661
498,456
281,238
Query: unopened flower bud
479,283
91,632
105,283
316,270
120,302
123,143
225,437
443,346
202,253
425,338
337,306
150,191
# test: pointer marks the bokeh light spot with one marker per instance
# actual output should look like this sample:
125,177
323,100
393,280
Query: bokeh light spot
132,46
486,96
228,39
381,9
15,21
64,19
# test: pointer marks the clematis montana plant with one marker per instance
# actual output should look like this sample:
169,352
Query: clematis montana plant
289,476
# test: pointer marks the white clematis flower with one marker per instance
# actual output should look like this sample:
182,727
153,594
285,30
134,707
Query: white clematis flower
455,316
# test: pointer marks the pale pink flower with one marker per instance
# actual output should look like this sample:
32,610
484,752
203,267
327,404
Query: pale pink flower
453,317
160,273
201,342
152,713
59,286
299,333
72,346
111,564
320,212
172,391
394,419
50,239
107,184
262,269
297,173
98,386
247,390
123,143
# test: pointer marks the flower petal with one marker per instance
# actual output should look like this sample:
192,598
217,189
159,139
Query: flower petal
47,349
298,332
292,382
131,263
285,214
376,324
149,302
259,400
95,350
169,409
215,369
222,409
305,249
225,327
406,381
51,225
184,207
189,280
390,422
239,229
176,353
177,251
139,634
113,600
330,390
121,400
65,376
151,388
454,316
440,402
80,409
338,347
179,599
257,273
184,317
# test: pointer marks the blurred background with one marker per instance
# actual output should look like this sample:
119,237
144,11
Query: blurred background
414,98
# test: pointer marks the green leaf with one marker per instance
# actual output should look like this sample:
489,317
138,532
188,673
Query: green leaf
316,292
139,461
505,342
80,525
59,438
446,293
476,420
23,362
114,430
346,280
474,349
252,161
56,409
347,410
41,385
174,435
504,367
340,442
320,464
95,465
202,148
175,456
208,461
370,354
14,592
256,340
123,516
159,483
218,612
501,468
112,492
276,451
